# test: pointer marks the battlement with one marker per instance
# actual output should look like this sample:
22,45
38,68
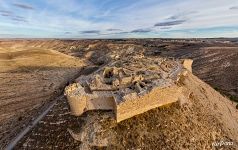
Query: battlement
128,86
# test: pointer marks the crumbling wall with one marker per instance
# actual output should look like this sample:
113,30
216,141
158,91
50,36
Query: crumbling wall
187,63
81,102
129,87
134,105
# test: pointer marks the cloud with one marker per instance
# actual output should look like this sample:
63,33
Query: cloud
23,6
10,15
90,32
141,31
19,19
125,32
170,23
67,32
113,18
164,28
174,17
114,30
6,12
234,8
115,33
182,15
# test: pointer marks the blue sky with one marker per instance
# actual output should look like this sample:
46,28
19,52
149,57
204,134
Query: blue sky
118,18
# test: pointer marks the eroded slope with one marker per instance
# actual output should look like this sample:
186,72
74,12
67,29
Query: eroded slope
29,78
204,118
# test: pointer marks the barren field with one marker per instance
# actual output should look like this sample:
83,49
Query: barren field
35,72
29,78
216,65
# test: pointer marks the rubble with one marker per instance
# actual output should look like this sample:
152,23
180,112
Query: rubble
129,86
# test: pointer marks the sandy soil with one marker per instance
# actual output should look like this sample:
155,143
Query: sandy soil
34,72
29,78
206,117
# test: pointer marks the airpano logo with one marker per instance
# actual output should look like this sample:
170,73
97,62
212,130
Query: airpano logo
222,143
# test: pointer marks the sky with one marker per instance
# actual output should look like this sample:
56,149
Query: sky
118,18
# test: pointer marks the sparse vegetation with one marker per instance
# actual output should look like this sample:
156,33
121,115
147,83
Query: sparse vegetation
231,97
